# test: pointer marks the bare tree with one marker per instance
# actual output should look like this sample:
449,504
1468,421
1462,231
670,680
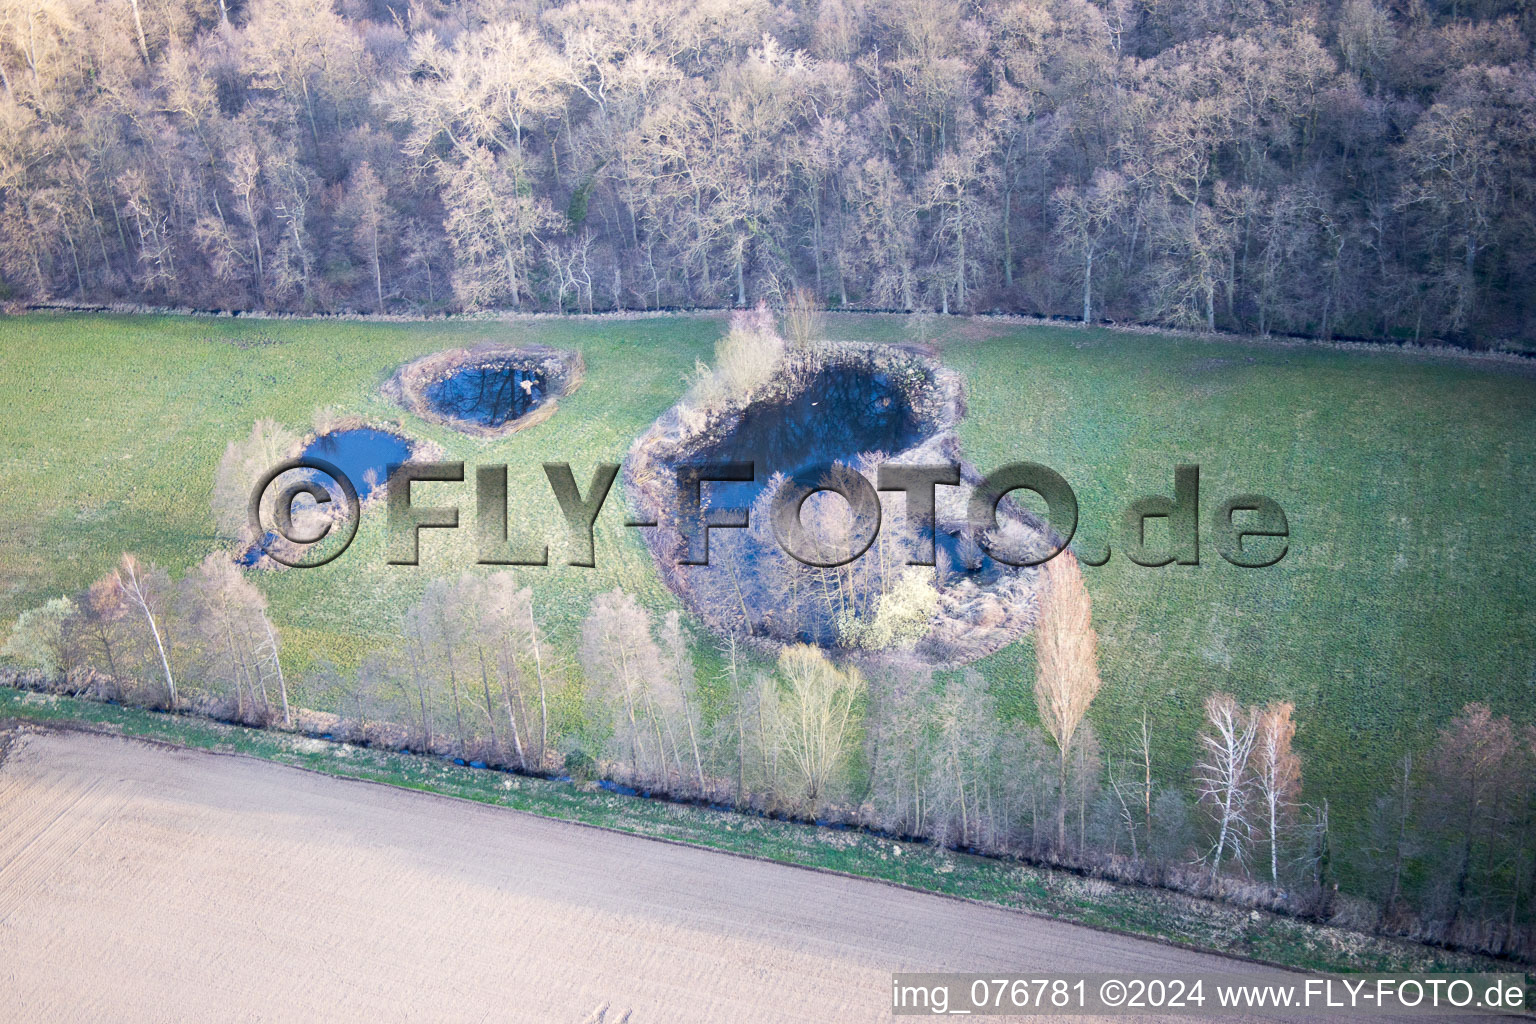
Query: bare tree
146,589
1470,790
267,647
1403,792
733,656
1317,860
679,668
1144,749
802,319
897,728
1132,787
484,607
435,635
236,644
100,623
242,465
1086,216
1083,779
1523,830
369,206
965,808
524,653
1276,775
622,664
1222,774
812,721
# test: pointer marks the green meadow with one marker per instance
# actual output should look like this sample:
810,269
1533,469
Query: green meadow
1406,479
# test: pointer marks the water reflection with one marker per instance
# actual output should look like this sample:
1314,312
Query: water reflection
490,395
364,454
842,415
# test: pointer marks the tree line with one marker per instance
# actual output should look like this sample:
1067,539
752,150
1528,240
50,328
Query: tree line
882,741
1358,168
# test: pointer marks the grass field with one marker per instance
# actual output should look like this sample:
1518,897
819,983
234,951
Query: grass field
1406,479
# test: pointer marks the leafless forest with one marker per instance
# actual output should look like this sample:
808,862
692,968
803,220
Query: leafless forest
1333,169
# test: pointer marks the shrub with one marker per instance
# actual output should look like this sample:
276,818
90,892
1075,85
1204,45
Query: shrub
749,355
38,637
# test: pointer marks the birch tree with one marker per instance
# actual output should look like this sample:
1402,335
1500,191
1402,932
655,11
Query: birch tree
1223,775
1276,775
146,589
622,663
236,645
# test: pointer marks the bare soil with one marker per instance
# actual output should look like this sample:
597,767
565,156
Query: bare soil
140,882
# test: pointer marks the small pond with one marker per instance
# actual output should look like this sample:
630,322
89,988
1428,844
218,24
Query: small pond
490,394
364,454
490,390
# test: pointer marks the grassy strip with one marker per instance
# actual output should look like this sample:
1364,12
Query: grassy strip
1404,476
1181,921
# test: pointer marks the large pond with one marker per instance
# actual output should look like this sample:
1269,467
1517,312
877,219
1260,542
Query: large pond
843,413
489,394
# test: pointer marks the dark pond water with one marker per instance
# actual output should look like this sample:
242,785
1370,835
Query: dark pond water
843,414
750,583
489,395
365,455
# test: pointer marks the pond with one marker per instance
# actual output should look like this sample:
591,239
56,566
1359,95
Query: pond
838,412
839,415
491,390
364,454
842,414
489,394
